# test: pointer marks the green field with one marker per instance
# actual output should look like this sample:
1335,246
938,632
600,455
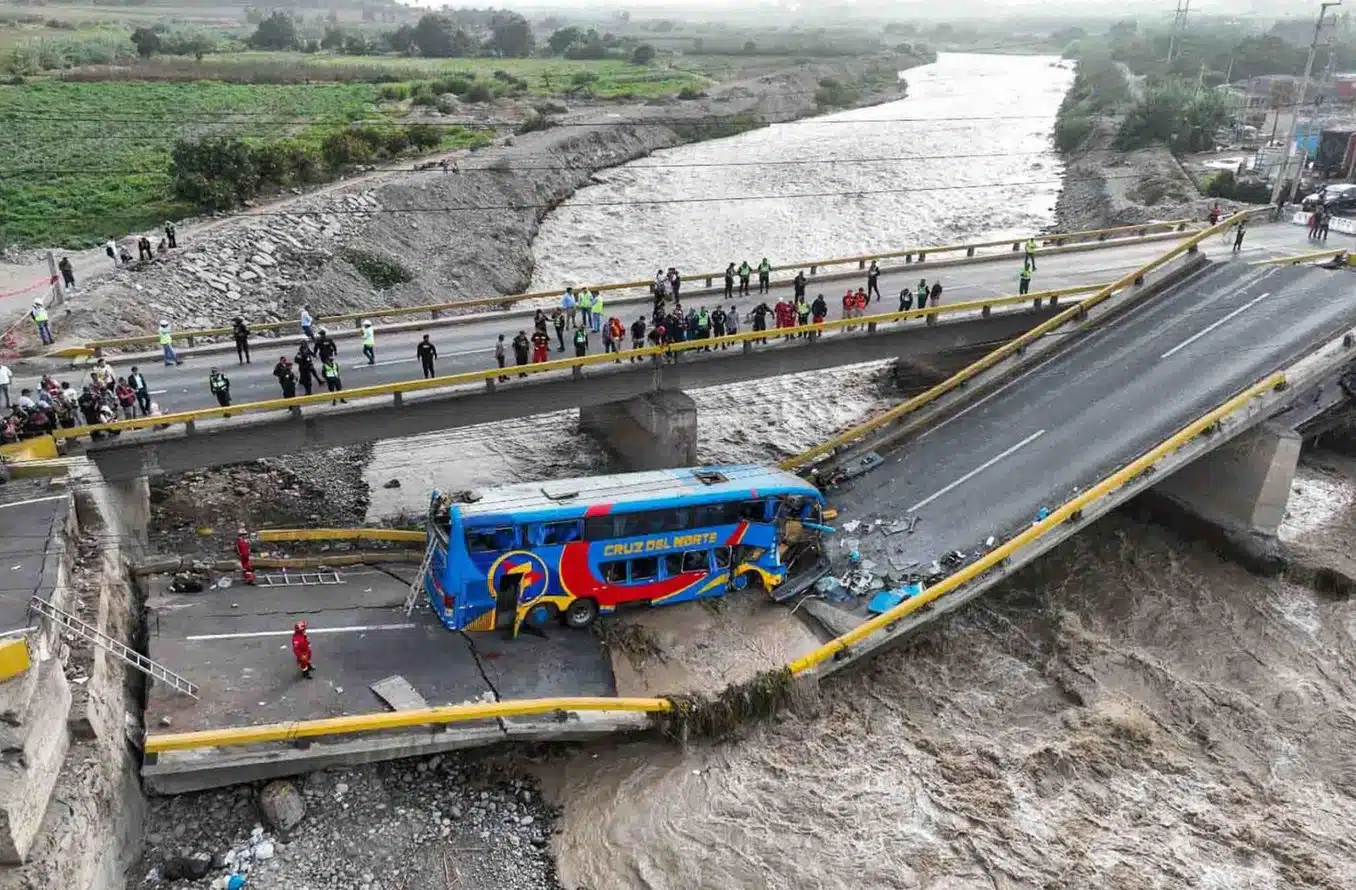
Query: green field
86,161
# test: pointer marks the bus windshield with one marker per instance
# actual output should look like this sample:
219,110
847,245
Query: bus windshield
572,549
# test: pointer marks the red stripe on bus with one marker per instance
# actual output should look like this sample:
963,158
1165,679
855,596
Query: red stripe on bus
597,510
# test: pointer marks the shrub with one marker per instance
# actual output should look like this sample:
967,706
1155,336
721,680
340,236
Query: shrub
1070,131
394,92
535,123
277,32
380,271
643,55
479,93
423,137
691,93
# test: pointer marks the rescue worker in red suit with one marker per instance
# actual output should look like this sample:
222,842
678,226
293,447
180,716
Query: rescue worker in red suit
242,549
301,648
541,346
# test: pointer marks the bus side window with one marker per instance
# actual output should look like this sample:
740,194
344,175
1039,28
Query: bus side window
614,572
551,534
697,561
646,568
673,564
758,511
722,557
490,540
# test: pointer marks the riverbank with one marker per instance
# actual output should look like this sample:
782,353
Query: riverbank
399,238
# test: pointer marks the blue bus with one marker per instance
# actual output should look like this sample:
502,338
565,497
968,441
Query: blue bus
570,549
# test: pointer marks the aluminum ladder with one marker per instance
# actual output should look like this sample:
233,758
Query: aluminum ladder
283,579
104,641
417,585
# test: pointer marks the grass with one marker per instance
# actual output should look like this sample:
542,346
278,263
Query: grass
88,161
606,79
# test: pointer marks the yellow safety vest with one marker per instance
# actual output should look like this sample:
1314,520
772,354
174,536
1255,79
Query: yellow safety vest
165,338
39,314
369,337
1031,245
1026,273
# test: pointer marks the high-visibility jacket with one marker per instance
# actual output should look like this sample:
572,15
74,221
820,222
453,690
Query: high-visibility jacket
1030,245
165,337
585,300
39,313
1026,272
218,382
330,369
369,337
764,267
597,304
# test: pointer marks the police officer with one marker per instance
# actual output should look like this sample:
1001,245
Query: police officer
637,336
764,276
286,378
873,280
1031,253
1024,279
240,332
325,347
522,349
306,372
426,353
332,382
220,386
581,342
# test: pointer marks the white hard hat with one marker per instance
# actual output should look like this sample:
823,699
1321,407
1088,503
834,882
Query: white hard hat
162,321
366,323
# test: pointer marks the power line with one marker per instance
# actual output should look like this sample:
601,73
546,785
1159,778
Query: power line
638,164
721,199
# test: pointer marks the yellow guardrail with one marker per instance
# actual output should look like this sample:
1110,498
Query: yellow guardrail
292,731
996,556
1306,258
340,534
602,358
1059,239
309,729
1010,348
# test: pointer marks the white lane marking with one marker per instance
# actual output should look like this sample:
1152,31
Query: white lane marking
964,411
462,352
976,471
310,630
55,497
158,392
1194,337
389,361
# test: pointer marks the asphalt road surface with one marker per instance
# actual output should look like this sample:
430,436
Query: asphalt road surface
31,513
470,347
1117,393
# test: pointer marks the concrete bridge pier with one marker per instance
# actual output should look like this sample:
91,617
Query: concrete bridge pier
1243,486
651,431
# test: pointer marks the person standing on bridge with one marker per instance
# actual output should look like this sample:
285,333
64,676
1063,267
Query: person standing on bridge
584,304
764,276
39,315
744,272
637,336
306,323
306,368
325,348
1031,253
936,295
541,346
6,378
286,378
301,649
819,309
522,349
220,385
1240,229
597,306
731,323
137,380
241,334
500,355
729,281
873,280
558,321
567,307
581,343
369,342
905,300
166,340
426,352
333,383
802,316
1023,282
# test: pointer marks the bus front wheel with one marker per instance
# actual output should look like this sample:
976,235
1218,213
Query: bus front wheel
581,613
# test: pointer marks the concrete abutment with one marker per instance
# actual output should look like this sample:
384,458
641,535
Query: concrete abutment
651,431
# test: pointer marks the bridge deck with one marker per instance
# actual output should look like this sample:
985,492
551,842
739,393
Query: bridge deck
1115,394
235,643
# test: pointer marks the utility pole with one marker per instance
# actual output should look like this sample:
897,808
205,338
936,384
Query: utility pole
1299,103
1178,26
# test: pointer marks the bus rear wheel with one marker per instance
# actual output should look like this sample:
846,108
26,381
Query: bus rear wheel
581,613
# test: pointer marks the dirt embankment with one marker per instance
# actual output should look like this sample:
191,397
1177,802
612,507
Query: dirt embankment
402,238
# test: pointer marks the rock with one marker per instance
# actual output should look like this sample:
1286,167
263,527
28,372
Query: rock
197,866
341,788
263,851
282,805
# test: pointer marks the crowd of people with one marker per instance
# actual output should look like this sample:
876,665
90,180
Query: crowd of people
55,404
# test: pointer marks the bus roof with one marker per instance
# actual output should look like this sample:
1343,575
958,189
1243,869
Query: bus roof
654,489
